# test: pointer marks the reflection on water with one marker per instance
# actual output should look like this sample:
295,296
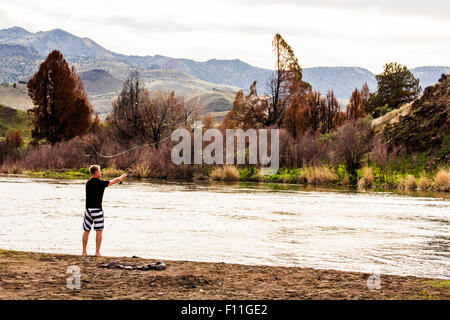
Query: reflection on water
244,223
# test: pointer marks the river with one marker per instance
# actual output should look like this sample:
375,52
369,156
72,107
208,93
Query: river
375,232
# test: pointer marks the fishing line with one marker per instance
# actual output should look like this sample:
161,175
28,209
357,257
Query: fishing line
147,144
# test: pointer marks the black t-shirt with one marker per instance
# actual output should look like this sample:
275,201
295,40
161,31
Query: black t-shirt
94,192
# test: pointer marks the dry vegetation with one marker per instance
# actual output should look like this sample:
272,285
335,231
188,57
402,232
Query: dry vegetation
225,173
442,180
319,175
407,183
424,183
367,181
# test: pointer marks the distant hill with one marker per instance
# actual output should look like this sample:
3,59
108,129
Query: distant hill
21,52
13,33
99,81
429,75
46,41
103,88
342,80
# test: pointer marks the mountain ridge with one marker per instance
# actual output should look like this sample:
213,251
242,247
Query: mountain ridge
22,51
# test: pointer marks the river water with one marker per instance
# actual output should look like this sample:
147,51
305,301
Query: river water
242,223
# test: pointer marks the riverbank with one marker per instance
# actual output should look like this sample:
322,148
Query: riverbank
367,178
28,275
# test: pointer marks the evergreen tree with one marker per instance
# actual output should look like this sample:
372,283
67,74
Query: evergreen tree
61,107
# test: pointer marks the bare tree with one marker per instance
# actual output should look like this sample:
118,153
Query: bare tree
284,84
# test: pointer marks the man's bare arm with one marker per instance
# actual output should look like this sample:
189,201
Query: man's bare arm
117,180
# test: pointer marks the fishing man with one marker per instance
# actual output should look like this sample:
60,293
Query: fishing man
93,215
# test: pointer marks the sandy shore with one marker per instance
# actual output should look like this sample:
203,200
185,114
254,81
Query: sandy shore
26,275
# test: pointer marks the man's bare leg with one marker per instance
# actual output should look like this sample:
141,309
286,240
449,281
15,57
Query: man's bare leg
85,242
98,243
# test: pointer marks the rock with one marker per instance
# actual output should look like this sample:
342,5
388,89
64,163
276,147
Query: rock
157,266
142,268
110,265
160,265
128,266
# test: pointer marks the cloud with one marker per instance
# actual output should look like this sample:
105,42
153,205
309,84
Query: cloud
434,8
367,33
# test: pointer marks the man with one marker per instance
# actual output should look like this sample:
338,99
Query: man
93,215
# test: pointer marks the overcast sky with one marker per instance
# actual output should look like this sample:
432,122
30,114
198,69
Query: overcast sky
366,33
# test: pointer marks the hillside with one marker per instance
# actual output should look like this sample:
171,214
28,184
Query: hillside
16,98
99,81
213,97
21,53
14,119
102,88
426,127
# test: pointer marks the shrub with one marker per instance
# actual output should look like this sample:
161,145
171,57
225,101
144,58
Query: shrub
407,183
63,155
424,183
302,177
320,175
442,180
346,181
227,173
112,172
250,174
13,168
13,140
351,143
141,170
367,179
217,174
231,173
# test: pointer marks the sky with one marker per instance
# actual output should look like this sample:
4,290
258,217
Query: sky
364,33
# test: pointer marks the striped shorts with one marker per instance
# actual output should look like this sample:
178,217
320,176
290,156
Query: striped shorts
93,217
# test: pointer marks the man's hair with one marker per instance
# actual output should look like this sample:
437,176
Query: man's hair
93,169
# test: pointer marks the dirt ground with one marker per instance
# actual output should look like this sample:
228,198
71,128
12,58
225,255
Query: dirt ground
25,275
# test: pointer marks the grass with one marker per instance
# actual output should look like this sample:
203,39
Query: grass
316,175
225,173
367,180
319,175
11,169
442,180
407,183
15,119
250,174
141,170
438,283
111,172
82,173
424,183
11,254
79,174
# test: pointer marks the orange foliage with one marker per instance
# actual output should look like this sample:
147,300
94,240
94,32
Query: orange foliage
62,110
